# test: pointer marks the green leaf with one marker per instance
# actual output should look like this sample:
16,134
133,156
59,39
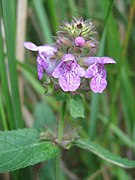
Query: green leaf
21,148
43,115
77,107
61,96
104,154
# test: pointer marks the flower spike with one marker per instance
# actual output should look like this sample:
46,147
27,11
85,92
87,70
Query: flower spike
71,60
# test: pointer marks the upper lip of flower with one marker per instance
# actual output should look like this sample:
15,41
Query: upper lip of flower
68,57
47,50
101,60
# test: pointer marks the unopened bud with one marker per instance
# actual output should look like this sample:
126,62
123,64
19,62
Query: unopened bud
90,44
79,41
65,41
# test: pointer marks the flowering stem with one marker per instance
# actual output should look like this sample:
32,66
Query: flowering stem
60,135
61,123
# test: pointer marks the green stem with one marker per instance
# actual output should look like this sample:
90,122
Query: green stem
61,123
60,135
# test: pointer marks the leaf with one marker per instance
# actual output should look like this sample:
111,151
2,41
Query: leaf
104,154
77,107
61,96
21,148
43,115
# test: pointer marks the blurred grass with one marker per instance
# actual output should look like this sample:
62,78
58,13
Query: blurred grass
111,121
43,20
5,89
8,10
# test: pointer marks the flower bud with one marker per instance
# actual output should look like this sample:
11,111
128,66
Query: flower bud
90,44
64,41
79,41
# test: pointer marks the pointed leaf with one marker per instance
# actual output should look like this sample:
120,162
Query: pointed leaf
61,96
77,106
21,148
104,154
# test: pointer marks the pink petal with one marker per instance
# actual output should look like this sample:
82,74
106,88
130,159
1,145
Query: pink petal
106,60
98,84
50,48
90,60
31,46
67,86
47,51
51,64
41,66
102,60
91,71
81,71
57,71
40,72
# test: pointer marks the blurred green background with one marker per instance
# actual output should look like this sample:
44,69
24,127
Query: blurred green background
110,117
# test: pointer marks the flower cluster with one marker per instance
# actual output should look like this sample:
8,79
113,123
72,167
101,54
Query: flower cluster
71,59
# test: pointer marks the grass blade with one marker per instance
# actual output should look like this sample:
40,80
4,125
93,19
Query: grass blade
4,84
43,20
53,14
73,8
8,10
2,114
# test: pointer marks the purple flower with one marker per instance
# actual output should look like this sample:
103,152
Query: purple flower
79,41
44,62
69,73
97,72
